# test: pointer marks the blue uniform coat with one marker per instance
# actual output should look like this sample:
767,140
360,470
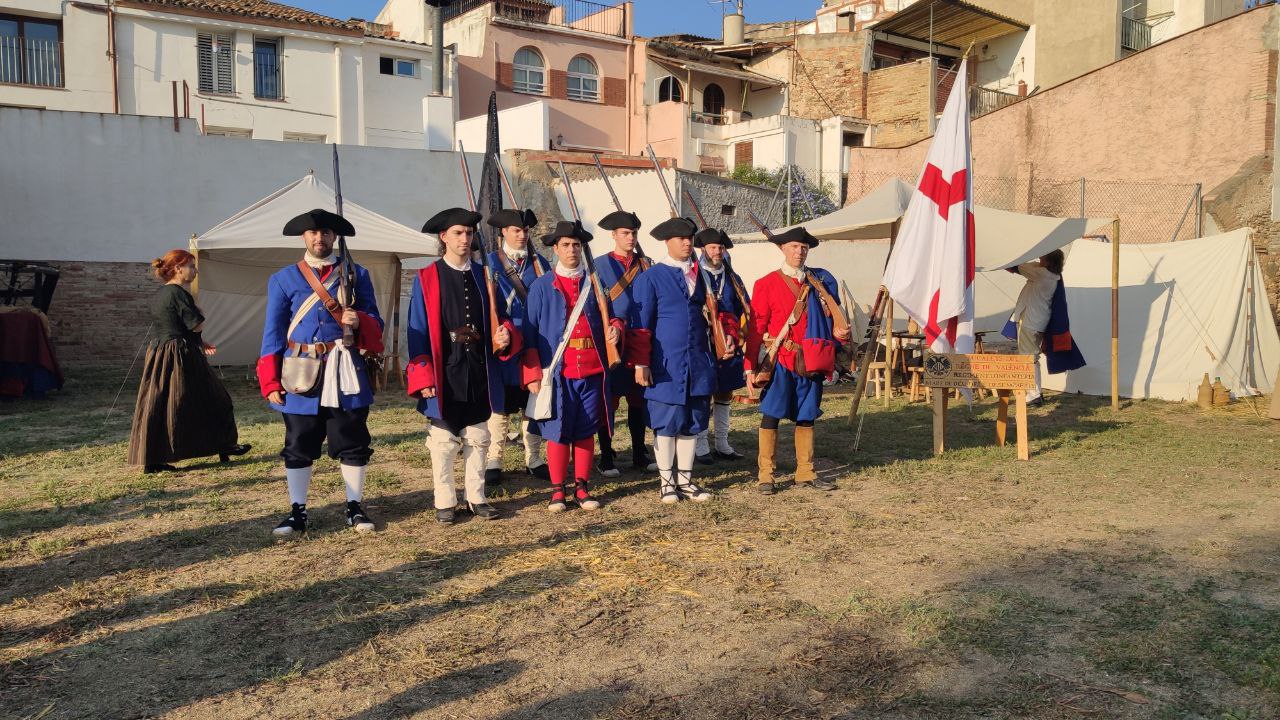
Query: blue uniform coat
679,353
610,270
729,373
510,369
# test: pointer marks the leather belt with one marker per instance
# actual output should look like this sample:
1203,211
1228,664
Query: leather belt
787,344
582,343
465,335
317,349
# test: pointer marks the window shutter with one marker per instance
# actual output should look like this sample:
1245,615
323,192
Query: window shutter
215,70
204,61
225,66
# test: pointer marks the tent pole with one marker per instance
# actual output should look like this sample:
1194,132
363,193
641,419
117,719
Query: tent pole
1248,324
195,283
395,324
888,348
1115,314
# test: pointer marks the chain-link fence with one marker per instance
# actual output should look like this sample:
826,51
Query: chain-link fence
1149,212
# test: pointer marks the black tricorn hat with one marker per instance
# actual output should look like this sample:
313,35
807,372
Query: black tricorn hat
319,220
446,219
795,234
675,227
507,218
712,236
619,220
565,228
530,220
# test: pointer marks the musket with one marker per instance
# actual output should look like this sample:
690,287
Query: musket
617,204
734,280
613,357
506,184
490,281
718,339
347,273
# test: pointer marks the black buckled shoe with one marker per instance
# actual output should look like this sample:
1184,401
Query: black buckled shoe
820,484
445,516
766,488
483,511
357,519
158,468
730,455
540,472
295,523
605,466
642,460
493,476
234,451
706,459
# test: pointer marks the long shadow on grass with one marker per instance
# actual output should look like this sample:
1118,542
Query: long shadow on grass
455,685
276,636
186,546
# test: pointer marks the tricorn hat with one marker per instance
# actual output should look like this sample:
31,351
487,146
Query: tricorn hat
565,228
619,220
675,227
507,218
446,219
319,220
795,234
712,236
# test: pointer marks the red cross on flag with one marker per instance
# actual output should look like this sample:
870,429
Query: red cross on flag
930,272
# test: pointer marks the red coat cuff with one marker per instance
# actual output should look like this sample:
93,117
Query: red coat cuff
516,344
420,374
732,328
369,334
638,346
530,367
269,374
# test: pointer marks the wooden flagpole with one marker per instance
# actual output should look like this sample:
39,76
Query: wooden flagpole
1115,314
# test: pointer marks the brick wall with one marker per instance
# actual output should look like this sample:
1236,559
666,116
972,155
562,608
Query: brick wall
898,102
101,311
828,76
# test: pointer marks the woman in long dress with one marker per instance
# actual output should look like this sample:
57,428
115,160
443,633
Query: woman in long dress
183,410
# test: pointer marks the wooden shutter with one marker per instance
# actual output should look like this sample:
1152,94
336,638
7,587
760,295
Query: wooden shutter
743,154
216,71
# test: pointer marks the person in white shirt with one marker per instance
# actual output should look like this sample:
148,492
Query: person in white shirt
1031,312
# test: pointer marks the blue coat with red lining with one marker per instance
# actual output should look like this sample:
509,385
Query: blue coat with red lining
533,267
426,362
287,290
729,373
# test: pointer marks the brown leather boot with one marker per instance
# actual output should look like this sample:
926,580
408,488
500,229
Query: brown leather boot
768,448
804,454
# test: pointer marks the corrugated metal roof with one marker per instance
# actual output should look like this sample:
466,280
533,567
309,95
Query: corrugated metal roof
949,22
710,69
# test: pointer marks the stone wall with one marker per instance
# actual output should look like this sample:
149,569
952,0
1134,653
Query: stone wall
1244,200
899,102
827,76
715,195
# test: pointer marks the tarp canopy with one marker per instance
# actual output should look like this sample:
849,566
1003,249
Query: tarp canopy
238,256
1186,308
1004,238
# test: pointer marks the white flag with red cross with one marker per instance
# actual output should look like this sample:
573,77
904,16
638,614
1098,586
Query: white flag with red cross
930,271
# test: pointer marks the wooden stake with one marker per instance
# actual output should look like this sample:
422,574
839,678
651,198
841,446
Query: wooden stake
1115,317
1002,416
1024,449
940,396
888,349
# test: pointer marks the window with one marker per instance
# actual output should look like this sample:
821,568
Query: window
527,74
266,69
228,132
30,51
304,137
398,66
713,100
584,79
215,56
669,90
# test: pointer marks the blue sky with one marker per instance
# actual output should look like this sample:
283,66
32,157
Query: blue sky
653,17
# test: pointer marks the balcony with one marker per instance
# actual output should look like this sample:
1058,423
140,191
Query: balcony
572,14
985,100
28,61
1135,35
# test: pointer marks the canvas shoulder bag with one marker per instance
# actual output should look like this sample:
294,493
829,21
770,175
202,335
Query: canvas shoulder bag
540,405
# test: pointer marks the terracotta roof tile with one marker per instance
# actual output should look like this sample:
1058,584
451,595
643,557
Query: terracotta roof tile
261,9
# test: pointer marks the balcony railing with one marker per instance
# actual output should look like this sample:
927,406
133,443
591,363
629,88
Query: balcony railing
708,118
27,61
1135,35
576,14
985,100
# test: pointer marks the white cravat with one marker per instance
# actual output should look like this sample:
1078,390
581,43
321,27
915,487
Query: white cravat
687,269
797,273
459,268
515,254
318,263
716,271
570,273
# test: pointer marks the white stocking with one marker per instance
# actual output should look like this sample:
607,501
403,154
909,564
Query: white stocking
353,478
720,418
299,480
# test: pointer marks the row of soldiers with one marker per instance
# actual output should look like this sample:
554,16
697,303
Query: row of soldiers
558,344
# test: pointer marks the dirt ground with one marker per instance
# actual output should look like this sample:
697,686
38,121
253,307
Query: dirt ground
1131,569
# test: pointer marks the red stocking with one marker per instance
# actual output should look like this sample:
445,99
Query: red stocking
584,451
558,462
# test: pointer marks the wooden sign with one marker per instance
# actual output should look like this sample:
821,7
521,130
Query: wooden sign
988,372
1005,374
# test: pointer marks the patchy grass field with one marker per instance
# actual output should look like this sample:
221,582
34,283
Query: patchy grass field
1131,569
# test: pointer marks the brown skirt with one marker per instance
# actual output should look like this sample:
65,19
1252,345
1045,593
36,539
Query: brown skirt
183,410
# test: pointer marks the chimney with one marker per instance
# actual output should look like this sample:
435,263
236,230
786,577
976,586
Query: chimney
433,23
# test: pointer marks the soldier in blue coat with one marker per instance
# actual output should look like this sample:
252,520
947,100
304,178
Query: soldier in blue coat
577,385
673,357
618,271
732,299
305,321
456,352
519,267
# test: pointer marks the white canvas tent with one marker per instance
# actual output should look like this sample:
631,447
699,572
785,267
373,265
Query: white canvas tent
238,256
1186,308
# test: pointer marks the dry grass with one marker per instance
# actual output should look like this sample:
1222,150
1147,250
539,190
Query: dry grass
1129,570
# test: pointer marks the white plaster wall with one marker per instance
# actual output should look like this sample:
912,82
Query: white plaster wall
1003,61
524,127
86,65
116,188
406,17
640,193
392,118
